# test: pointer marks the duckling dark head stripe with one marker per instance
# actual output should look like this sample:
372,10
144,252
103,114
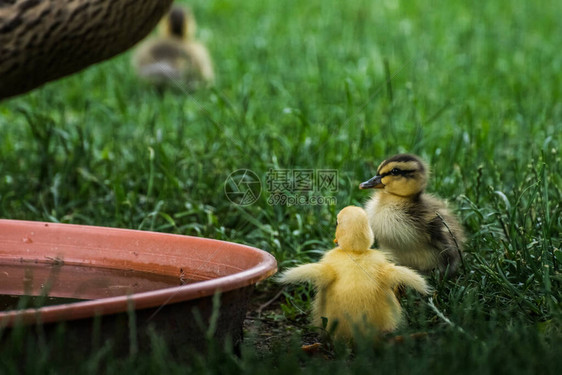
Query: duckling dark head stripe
177,21
398,172
404,158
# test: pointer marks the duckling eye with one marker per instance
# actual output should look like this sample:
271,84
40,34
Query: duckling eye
395,171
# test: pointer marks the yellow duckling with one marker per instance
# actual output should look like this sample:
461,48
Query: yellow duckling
175,57
355,284
417,229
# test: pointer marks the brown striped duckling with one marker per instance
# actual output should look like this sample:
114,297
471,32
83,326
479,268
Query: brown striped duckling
175,57
416,228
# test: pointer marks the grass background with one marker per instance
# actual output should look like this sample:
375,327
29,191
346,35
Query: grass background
474,88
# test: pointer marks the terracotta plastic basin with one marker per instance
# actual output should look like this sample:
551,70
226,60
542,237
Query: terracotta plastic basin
167,280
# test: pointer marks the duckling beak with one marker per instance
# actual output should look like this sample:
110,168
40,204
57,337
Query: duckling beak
373,183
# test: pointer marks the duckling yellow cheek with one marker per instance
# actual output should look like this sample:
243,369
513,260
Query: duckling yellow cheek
411,186
386,181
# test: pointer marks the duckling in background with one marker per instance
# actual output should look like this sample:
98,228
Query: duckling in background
175,57
416,228
355,284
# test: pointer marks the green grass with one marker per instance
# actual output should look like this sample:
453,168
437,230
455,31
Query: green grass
474,88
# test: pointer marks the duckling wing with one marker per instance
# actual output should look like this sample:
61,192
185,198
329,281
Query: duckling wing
446,235
319,274
201,61
398,275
